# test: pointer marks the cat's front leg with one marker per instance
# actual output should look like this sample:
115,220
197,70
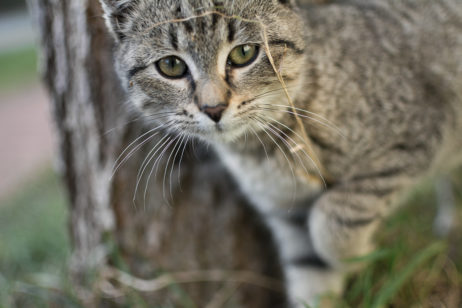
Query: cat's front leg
341,225
342,222
306,275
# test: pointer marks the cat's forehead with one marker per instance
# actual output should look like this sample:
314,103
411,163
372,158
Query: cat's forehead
230,6
204,30
161,14
199,27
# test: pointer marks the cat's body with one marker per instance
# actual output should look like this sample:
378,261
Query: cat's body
377,84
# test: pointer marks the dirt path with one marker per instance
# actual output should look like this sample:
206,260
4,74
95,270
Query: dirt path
26,143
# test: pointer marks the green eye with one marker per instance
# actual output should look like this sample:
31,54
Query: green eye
243,55
172,67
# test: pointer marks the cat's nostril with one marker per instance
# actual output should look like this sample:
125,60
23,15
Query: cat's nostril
214,112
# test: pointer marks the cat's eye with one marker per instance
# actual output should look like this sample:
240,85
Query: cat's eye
243,55
172,67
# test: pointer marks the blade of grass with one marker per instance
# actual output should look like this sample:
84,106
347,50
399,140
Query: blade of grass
396,282
371,257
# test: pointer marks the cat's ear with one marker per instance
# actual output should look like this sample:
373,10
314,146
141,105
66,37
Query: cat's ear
116,13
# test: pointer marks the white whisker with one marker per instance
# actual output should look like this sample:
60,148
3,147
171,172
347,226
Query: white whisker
181,159
119,161
288,145
174,150
320,119
147,160
301,148
261,142
174,159
294,183
156,167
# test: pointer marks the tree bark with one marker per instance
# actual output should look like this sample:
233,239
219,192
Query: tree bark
205,225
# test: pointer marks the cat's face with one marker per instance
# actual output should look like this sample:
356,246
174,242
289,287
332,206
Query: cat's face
201,67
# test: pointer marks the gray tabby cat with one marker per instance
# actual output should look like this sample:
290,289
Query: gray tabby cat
376,84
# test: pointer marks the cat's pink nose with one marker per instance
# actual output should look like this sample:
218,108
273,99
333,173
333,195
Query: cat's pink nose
214,112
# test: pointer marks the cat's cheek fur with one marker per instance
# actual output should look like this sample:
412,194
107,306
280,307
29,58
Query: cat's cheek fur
138,100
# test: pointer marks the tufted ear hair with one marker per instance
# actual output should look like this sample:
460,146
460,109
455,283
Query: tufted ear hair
115,14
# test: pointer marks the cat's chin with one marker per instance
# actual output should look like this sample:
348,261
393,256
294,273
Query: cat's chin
222,135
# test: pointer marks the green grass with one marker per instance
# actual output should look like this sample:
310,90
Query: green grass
18,68
411,268
34,243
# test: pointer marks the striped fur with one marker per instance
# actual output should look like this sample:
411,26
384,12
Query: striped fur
377,83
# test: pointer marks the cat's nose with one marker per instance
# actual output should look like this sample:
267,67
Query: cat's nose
214,112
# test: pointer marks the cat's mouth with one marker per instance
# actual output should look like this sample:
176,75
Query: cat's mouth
220,132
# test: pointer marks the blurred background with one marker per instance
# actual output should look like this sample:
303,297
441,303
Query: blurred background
33,214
